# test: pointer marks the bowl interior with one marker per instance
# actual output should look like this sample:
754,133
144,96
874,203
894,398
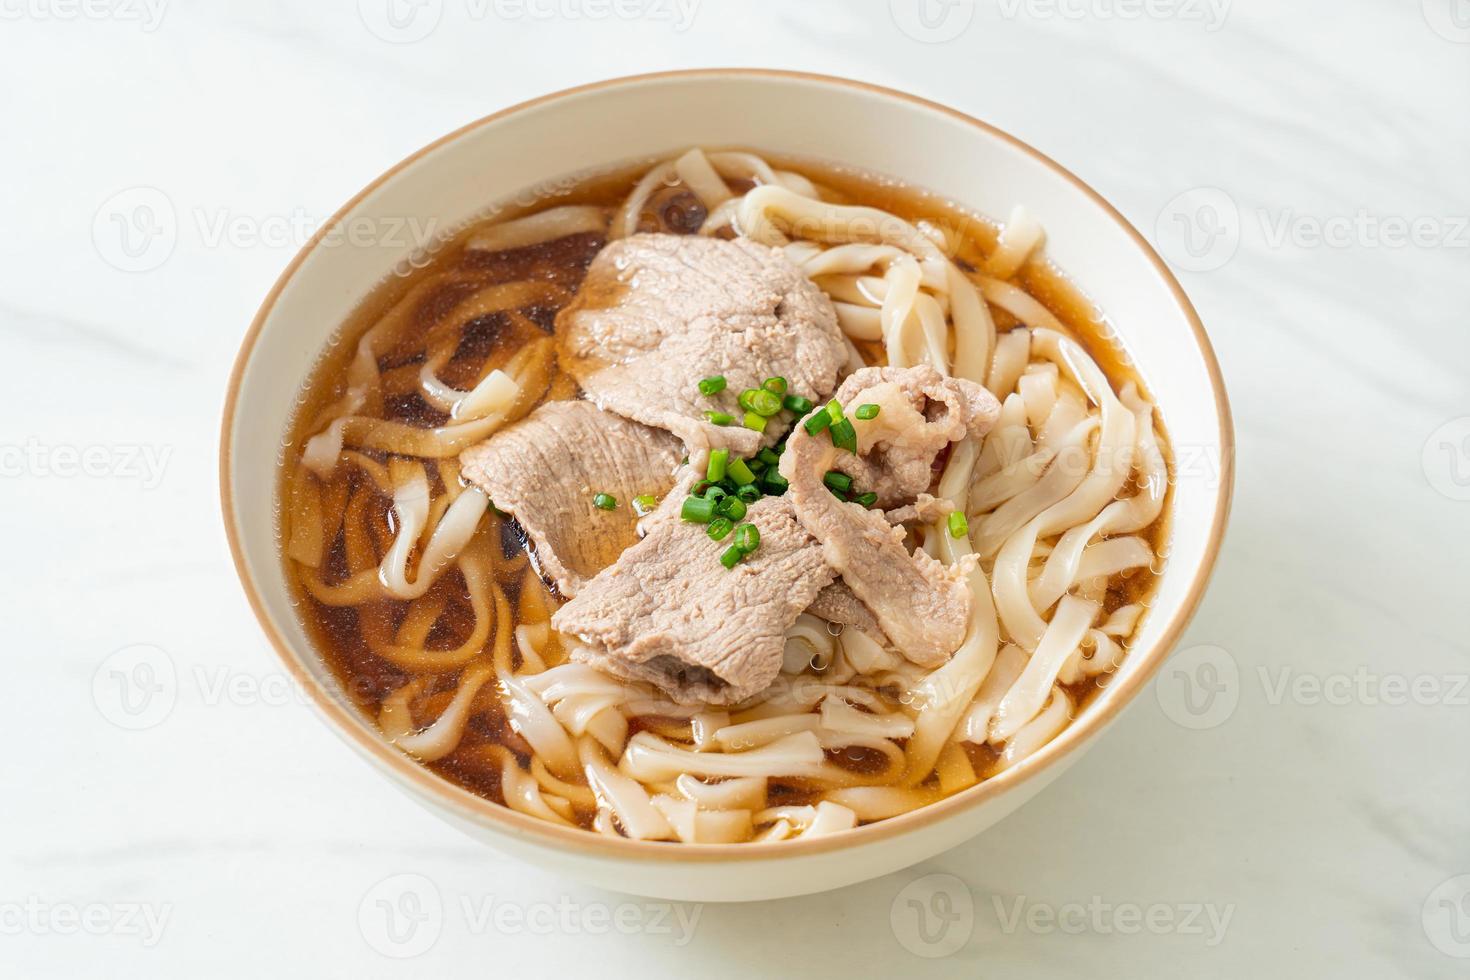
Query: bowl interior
501,157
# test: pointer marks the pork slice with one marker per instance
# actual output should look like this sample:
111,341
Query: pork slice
838,604
547,468
657,313
921,412
922,605
667,612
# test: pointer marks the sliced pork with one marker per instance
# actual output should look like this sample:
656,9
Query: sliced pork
921,413
547,469
922,605
657,313
838,605
667,612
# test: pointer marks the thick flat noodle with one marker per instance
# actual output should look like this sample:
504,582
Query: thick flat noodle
546,469
922,605
657,313
670,614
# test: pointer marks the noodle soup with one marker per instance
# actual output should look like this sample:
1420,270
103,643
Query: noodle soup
433,599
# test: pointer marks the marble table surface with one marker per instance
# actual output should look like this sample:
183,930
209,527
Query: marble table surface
1319,154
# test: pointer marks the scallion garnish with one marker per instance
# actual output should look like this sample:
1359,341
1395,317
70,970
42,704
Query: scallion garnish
755,421
731,507
715,493
732,556
697,509
834,410
719,527
774,483
715,471
866,499
748,493
776,385
605,501
740,473
747,538
719,418
865,412
797,404
760,401
768,456
844,436
958,526
712,386
644,504
817,422
838,481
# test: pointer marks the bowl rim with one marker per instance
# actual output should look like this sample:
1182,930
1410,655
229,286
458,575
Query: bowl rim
481,811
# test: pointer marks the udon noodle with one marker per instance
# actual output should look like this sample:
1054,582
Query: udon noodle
426,604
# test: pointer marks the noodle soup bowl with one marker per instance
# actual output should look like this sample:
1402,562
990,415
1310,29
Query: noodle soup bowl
526,149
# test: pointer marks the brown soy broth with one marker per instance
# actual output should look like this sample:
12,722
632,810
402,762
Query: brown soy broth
340,632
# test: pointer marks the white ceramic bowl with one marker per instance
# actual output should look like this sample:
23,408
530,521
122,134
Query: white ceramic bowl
875,129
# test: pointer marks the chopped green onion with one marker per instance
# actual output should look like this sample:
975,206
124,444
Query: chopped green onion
838,481
712,386
866,499
760,401
747,538
740,473
817,422
700,488
731,507
719,418
844,436
732,556
797,404
756,464
715,471
755,421
776,385
866,412
605,501
958,526
838,494
697,509
644,504
719,527
768,456
774,482
748,493
715,493
834,410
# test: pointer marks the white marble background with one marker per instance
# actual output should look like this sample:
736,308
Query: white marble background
1320,824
